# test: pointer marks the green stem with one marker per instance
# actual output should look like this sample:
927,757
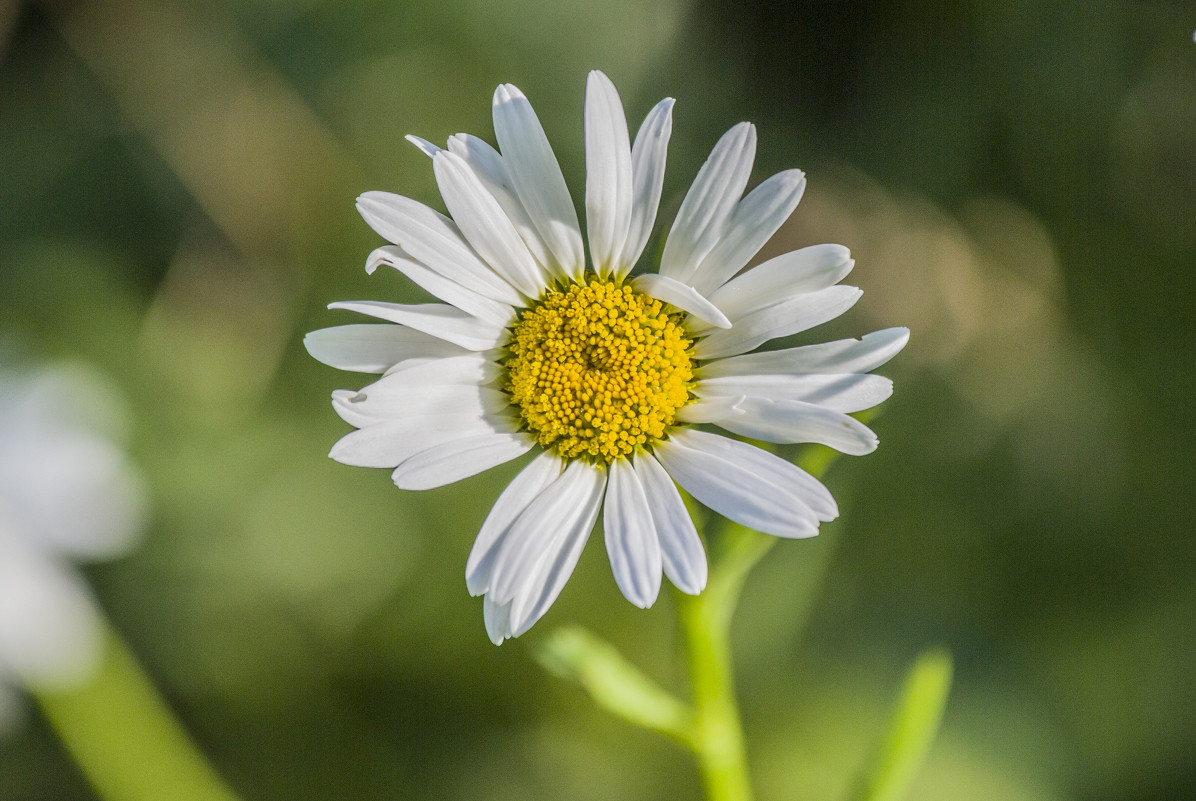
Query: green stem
123,736
710,727
717,734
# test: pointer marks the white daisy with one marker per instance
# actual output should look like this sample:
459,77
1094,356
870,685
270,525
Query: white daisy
604,375
67,493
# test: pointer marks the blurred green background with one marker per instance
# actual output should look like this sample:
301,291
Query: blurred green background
1017,182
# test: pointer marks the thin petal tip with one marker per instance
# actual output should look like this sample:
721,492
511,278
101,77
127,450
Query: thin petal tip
745,130
425,147
371,204
507,92
718,320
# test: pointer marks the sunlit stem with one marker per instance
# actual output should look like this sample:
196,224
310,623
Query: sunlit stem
125,739
717,735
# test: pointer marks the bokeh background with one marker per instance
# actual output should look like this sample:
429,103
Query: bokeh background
1017,182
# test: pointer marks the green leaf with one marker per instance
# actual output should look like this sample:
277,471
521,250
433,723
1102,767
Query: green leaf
912,728
614,683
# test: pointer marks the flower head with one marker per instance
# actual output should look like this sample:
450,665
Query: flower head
603,374
67,493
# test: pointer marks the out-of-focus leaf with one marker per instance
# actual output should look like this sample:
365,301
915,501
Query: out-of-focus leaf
912,729
614,683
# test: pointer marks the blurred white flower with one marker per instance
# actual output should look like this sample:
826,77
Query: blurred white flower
67,493
605,373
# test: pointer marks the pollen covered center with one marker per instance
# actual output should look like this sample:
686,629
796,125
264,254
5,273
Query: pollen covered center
598,369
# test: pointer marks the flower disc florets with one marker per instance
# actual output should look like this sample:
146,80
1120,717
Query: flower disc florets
598,370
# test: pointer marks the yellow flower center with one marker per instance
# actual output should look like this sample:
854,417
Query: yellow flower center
598,369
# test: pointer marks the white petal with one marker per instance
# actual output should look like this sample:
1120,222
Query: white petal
555,566
374,406
790,316
343,404
486,162
413,377
794,421
682,296
497,619
631,541
64,488
682,553
444,288
795,273
458,384
461,458
426,147
842,356
49,628
552,572
707,208
709,409
756,219
486,226
492,171
369,348
467,369
647,168
557,509
434,240
746,484
492,355
531,481
848,392
537,177
446,322
608,173
389,443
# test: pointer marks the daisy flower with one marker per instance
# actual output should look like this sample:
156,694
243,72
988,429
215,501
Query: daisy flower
67,493
604,375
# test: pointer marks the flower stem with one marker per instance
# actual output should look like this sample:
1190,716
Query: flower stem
709,727
717,734
124,737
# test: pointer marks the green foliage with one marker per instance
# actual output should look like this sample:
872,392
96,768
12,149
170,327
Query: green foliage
915,721
614,683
